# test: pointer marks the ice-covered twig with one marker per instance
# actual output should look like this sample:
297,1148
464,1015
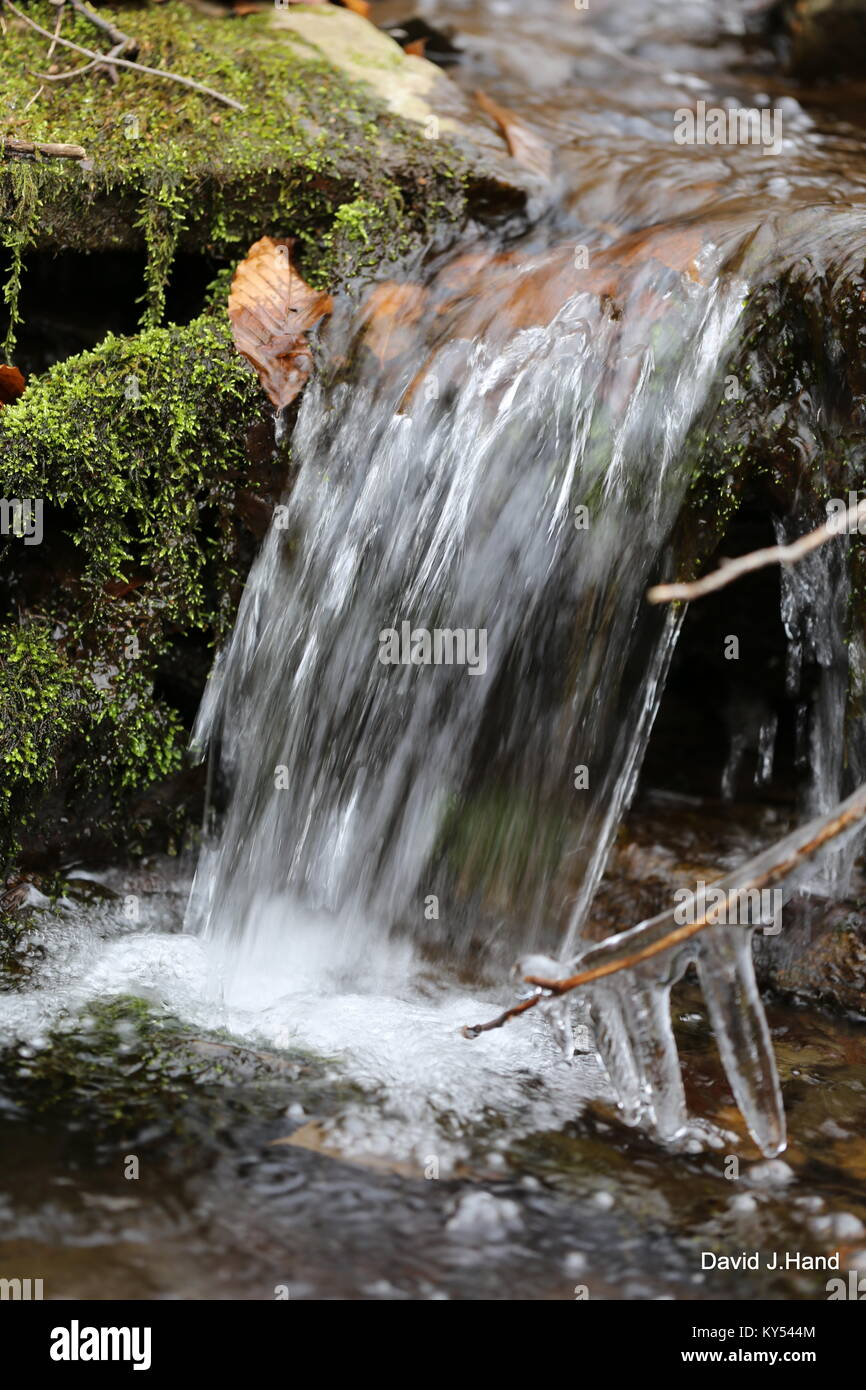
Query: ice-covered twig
775,865
759,559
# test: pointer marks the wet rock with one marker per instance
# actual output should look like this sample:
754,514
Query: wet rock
826,38
820,955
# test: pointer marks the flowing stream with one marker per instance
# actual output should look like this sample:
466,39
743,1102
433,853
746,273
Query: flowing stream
497,483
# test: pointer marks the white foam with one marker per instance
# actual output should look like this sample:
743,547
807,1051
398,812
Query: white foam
341,990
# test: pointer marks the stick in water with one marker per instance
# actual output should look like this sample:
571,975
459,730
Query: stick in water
628,948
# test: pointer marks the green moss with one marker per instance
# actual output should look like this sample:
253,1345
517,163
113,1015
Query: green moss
40,703
138,436
136,450
18,234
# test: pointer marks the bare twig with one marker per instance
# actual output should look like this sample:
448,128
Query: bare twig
35,97
661,933
65,76
126,62
122,44
759,559
116,35
24,148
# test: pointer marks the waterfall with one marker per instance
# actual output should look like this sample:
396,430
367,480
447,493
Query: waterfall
519,483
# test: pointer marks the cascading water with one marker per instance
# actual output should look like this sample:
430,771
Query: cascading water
525,498
525,495
509,456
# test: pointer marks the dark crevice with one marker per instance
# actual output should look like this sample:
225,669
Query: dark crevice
709,698
70,301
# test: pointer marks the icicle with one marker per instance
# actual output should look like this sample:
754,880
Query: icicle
614,1042
724,961
647,1010
636,1043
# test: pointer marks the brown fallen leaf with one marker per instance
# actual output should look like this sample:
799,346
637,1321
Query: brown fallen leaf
271,308
389,313
524,145
676,246
313,1137
118,588
12,385
361,7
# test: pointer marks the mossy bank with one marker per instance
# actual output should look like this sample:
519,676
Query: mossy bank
321,145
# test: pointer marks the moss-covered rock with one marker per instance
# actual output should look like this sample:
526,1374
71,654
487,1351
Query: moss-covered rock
137,451
787,430
123,1072
338,141
153,455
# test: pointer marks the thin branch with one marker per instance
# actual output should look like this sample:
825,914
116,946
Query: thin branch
116,35
629,948
121,43
472,1030
759,559
65,76
57,25
126,62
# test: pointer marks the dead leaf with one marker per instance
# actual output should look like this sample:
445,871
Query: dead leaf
118,588
524,145
389,313
415,49
12,385
314,1137
271,309
361,7
676,246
